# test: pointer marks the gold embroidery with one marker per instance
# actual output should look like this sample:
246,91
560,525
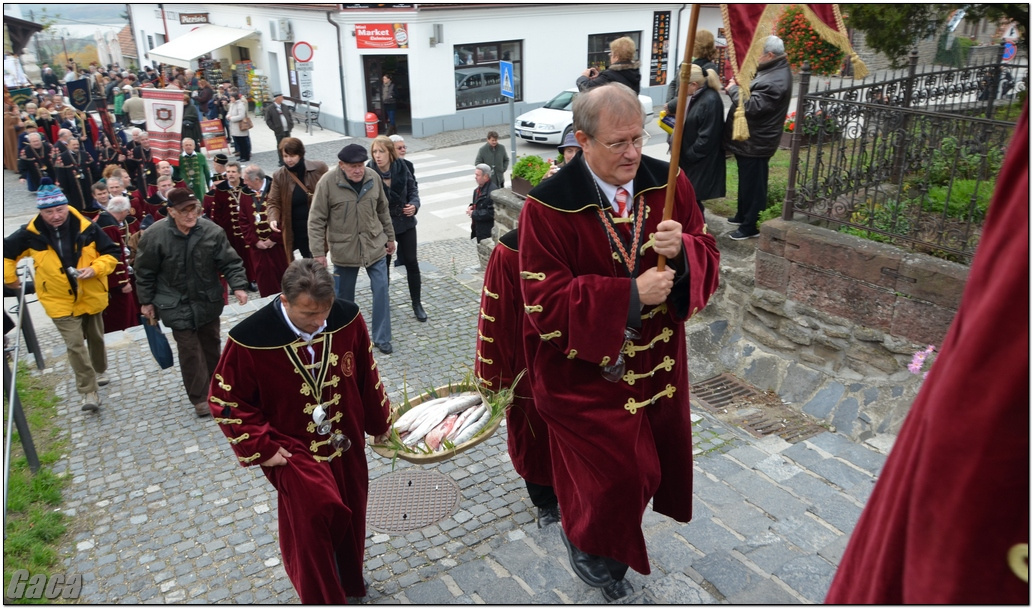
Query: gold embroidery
1018,560
486,316
334,401
630,377
530,275
305,389
222,402
704,229
694,311
551,335
222,383
377,386
486,383
222,421
657,310
240,439
485,338
632,406
249,459
333,381
533,308
337,453
484,359
334,358
337,417
383,400
495,296
572,354
615,256
648,244
665,335
606,361
314,445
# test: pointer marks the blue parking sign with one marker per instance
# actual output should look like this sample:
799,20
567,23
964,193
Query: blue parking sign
506,78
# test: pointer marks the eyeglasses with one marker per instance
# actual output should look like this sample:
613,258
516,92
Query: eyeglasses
622,147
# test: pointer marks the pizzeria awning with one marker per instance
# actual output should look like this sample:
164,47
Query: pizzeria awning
195,43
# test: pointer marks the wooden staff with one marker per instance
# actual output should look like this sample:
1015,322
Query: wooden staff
684,71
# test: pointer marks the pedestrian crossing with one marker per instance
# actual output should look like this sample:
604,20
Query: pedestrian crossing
446,189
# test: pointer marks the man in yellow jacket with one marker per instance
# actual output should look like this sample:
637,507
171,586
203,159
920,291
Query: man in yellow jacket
73,258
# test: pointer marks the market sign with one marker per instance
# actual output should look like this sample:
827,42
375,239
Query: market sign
193,18
382,35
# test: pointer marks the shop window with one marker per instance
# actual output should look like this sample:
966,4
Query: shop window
477,72
599,48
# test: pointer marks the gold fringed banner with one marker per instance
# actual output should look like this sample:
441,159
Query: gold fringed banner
748,25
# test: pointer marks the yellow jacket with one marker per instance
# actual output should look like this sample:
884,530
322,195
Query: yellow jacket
91,247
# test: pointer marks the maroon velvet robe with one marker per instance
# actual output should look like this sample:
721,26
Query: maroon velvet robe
123,310
614,445
233,210
952,501
262,402
500,358
270,264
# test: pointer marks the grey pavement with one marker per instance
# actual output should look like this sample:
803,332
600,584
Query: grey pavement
161,512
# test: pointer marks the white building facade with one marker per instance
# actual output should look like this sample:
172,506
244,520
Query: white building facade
444,59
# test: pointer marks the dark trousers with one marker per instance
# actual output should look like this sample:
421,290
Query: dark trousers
407,254
753,191
198,355
541,496
279,138
243,143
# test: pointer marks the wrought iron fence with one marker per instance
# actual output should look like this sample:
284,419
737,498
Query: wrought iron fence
909,159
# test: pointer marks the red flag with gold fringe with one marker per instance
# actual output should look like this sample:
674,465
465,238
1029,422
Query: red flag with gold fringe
748,25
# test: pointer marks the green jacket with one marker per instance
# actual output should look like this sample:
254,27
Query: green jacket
179,274
356,225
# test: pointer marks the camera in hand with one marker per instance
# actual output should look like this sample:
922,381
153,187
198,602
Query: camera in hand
73,277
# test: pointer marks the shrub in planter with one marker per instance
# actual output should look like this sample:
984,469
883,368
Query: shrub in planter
804,44
528,171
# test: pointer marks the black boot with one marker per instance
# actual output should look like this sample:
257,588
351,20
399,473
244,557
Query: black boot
414,293
417,308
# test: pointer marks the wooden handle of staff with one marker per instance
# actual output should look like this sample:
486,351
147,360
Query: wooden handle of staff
684,71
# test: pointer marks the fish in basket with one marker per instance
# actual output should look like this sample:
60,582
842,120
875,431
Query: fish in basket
441,423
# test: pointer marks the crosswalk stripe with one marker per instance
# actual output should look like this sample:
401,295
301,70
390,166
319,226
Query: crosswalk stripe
449,212
445,171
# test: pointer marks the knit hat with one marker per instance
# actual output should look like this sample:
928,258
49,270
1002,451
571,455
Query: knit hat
49,195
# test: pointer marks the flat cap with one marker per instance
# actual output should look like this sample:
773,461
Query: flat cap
353,153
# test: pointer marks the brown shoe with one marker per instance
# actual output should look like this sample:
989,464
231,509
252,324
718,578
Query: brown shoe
202,410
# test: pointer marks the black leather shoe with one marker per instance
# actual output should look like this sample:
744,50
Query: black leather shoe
617,589
591,569
548,515
385,348
421,315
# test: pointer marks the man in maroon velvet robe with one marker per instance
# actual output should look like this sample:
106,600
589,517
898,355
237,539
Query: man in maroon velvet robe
267,252
948,521
617,406
123,310
295,391
500,359
232,208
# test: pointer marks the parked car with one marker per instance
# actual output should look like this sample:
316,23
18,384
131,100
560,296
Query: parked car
480,87
553,121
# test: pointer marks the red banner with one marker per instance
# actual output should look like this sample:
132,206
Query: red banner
382,35
164,110
214,135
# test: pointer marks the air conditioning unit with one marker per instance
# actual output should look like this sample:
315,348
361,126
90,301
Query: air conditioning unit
280,29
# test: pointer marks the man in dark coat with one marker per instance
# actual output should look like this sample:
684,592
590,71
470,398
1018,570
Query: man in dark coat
278,118
770,94
482,209
35,161
178,263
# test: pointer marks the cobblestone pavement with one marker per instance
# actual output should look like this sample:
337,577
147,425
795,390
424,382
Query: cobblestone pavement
162,513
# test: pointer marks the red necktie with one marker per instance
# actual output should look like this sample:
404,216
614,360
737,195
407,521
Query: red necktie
622,202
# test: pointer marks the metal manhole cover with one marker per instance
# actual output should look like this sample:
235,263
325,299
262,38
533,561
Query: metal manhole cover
409,500
760,413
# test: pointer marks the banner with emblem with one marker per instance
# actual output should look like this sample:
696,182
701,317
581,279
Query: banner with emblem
79,93
164,111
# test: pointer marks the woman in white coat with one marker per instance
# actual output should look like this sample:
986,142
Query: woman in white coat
241,137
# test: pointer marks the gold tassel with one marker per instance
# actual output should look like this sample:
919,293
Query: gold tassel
740,130
860,70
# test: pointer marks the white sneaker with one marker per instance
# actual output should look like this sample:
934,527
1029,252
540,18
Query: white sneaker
103,380
91,401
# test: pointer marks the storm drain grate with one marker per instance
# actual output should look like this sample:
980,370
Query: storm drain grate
761,414
410,500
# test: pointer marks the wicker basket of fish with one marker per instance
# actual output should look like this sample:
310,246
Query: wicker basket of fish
443,422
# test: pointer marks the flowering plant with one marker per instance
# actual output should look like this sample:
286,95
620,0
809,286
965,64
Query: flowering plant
811,124
918,361
804,44
790,123
531,167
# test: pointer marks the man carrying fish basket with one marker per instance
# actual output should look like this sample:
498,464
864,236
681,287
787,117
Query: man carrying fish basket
605,337
296,391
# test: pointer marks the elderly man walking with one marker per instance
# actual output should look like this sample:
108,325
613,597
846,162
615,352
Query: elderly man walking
770,94
178,263
350,213
72,258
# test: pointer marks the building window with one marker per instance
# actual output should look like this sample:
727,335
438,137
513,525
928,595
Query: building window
477,72
150,42
599,48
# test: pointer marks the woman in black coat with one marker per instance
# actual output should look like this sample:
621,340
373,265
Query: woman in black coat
403,201
702,152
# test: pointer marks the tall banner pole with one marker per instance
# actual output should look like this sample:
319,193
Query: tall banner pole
684,71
